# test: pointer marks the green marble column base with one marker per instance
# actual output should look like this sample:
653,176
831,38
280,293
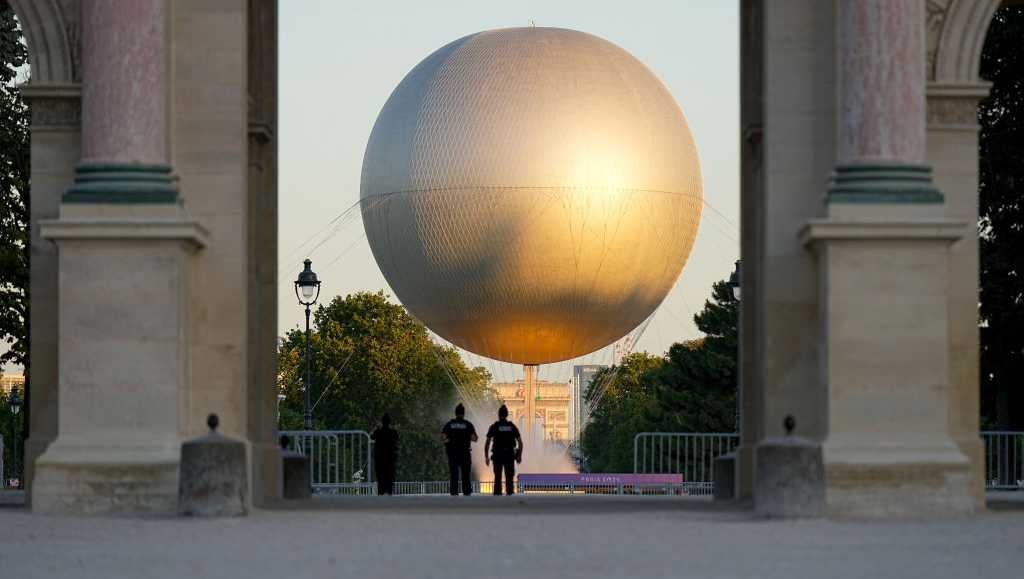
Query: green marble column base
883,183
122,183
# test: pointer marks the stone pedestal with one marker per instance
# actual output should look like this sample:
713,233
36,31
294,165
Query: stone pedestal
214,478
725,477
789,479
884,284
295,471
122,372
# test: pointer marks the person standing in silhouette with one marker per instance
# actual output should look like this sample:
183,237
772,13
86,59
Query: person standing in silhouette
458,434
385,455
508,448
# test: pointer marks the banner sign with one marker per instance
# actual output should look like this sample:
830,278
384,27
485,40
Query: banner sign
599,479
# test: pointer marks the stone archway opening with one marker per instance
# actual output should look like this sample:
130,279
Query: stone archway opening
1001,116
106,204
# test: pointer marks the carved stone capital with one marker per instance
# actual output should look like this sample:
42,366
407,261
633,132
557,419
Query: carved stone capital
54,107
955,105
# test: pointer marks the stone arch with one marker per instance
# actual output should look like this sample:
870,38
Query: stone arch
51,31
957,31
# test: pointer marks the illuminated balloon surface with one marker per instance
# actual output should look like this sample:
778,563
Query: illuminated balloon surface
531,194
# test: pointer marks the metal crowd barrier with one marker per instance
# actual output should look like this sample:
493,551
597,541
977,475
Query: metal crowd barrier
341,462
424,488
691,454
337,457
433,487
1004,460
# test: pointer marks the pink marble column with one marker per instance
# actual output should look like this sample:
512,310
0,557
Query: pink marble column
124,81
882,72
882,79
881,140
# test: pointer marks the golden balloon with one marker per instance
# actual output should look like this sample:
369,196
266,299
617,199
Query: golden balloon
531,194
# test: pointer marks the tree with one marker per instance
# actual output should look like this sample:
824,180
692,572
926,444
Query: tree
14,193
695,389
691,389
1001,224
607,440
369,356
14,209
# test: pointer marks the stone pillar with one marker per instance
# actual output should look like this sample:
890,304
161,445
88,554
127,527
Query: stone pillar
752,47
881,136
124,255
788,116
953,150
125,63
56,147
261,380
883,261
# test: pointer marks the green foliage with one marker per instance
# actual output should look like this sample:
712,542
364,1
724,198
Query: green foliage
696,387
1001,225
691,389
387,364
607,441
14,193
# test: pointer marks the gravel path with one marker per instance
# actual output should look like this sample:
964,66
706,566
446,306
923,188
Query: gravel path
539,537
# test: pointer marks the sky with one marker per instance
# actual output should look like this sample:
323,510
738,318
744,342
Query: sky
339,62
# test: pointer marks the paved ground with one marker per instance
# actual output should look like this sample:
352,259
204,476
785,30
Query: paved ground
535,537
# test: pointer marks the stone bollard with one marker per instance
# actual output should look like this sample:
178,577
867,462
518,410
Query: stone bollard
725,477
789,476
295,471
213,481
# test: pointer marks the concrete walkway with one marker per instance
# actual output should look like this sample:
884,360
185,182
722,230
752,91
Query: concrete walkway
532,537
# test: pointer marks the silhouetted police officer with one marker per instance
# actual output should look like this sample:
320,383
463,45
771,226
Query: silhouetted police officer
508,448
458,434
385,455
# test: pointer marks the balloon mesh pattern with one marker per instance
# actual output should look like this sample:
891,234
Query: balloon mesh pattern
531,194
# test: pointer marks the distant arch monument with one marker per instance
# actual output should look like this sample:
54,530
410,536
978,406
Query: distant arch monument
154,245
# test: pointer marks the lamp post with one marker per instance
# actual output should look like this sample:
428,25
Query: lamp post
280,398
736,283
307,290
15,402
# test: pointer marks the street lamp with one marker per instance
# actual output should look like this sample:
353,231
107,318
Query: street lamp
307,290
736,283
15,402
280,398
